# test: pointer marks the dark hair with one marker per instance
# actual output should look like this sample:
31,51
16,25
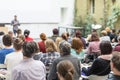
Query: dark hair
94,37
105,47
66,69
30,48
113,30
78,34
68,34
7,40
55,31
64,47
2,33
26,33
116,60
17,43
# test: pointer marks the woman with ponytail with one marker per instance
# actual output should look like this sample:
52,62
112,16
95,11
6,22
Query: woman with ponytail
65,70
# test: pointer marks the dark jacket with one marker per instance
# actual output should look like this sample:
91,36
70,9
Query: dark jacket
75,61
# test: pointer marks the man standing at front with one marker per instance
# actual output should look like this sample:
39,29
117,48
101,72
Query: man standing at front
15,23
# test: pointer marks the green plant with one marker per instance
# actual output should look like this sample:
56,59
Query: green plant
78,21
89,20
113,18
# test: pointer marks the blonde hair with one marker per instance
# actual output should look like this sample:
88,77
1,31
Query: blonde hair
50,46
104,32
107,29
57,41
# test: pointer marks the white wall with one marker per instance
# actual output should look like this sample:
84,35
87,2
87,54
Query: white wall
68,12
45,12
36,11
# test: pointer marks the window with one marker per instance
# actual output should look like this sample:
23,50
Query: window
92,6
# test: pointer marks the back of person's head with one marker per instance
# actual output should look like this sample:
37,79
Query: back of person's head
17,44
22,37
2,33
113,30
43,36
65,70
116,60
7,40
29,49
94,37
107,29
118,31
104,33
55,31
64,36
64,47
26,33
105,47
78,34
50,46
77,44
10,33
19,31
68,34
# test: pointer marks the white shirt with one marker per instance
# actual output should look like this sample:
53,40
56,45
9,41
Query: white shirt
29,69
11,61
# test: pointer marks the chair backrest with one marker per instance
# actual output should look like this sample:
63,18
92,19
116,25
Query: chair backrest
95,77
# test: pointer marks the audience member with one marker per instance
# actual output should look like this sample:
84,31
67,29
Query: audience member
26,34
7,42
50,55
12,59
65,70
22,37
101,65
117,47
19,32
93,47
69,38
115,66
113,35
79,35
1,42
41,44
64,36
104,37
77,48
89,36
29,69
65,55
55,34
57,41
118,34
108,30
11,34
